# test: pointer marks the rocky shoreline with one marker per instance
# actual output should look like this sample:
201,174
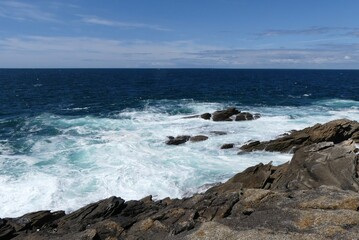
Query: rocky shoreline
314,196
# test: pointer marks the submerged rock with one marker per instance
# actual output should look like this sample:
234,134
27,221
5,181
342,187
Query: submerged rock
227,146
335,131
177,140
218,133
198,138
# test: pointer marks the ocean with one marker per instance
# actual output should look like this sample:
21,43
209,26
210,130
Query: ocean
69,137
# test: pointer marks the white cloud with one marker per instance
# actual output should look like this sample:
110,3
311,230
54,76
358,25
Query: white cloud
111,23
40,51
24,11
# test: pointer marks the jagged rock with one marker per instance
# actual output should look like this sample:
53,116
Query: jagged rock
177,140
227,146
7,231
224,115
198,138
312,166
91,213
335,131
322,164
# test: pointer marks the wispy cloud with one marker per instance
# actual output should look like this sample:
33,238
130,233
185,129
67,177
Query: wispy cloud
92,52
24,11
112,23
305,31
97,52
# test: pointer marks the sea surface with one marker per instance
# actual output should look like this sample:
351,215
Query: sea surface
69,137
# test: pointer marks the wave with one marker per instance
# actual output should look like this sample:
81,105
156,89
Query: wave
71,161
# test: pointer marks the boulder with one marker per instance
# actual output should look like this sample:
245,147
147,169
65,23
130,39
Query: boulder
198,138
224,115
227,146
177,140
335,131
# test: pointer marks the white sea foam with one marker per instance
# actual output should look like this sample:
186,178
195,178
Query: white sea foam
92,158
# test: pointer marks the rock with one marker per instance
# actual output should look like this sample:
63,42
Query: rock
92,213
35,220
206,116
322,164
243,116
189,117
228,114
335,131
7,231
177,140
224,115
218,132
227,146
312,166
198,138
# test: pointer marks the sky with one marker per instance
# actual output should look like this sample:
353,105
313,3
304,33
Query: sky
320,34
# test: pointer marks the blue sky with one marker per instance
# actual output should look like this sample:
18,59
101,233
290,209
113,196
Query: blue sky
186,33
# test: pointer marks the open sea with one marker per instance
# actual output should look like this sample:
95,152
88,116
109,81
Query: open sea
69,137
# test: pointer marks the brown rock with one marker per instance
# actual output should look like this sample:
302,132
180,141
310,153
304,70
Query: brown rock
224,115
198,138
206,116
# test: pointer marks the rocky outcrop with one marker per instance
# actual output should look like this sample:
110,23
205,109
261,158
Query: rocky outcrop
335,131
314,196
229,114
312,166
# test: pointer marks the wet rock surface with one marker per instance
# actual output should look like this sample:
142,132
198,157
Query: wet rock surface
314,196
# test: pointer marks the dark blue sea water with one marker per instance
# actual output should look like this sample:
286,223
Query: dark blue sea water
72,136
101,91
